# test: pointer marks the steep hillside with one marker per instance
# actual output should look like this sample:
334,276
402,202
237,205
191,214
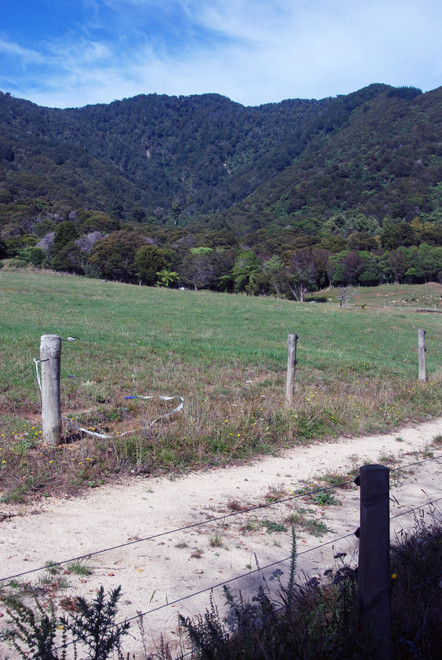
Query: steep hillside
176,159
203,192
384,160
166,155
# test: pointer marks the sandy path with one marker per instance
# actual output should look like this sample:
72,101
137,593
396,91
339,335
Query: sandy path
155,572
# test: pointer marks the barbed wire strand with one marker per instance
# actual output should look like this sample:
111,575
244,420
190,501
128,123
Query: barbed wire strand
426,460
256,570
421,506
417,586
178,529
203,522
260,569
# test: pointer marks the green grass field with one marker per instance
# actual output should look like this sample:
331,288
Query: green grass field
226,355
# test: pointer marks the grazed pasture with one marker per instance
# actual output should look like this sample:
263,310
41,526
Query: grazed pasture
225,354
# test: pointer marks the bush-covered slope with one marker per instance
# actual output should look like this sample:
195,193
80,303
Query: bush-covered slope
177,158
199,191
384,159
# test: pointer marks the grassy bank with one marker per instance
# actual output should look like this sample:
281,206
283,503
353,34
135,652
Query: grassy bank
226,355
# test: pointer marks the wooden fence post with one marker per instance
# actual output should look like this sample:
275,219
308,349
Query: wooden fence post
50,353
291,368
421,350
374,558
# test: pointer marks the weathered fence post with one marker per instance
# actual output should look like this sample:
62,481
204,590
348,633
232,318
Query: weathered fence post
50,352
291,368
421,350
374,558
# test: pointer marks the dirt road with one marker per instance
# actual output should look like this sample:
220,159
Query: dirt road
157,566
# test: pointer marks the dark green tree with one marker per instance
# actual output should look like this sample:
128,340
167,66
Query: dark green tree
148,261
114,256
401,234
64,234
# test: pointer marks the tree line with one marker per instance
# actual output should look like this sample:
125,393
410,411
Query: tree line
347,251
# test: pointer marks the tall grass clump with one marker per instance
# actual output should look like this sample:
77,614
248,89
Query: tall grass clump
416,565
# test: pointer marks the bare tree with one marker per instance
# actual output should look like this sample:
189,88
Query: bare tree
345,295
302,268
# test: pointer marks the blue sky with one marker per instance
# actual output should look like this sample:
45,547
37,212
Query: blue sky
64,53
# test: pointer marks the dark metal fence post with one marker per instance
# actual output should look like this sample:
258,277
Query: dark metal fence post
374,558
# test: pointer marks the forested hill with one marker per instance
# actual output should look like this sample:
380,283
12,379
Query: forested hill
176,158
361,172
381,158
171,156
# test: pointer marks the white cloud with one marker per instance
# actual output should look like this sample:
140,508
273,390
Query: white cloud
25,55
252,51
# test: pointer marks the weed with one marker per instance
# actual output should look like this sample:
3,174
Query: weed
387,459
307,524
324,498
415,592
235,505
93,625
315,527
335,480
79,567
294,519
15,496
272,526
216,541
275,493
35,628
53,568
427,451
250,526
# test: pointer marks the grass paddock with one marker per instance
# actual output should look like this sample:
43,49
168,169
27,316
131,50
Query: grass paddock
225,354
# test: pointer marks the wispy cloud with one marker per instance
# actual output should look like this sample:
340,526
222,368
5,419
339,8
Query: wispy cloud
252,51
24,55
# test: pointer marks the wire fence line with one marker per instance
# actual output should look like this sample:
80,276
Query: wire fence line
421,506
416,586
182,529
260,569
425,460
211,520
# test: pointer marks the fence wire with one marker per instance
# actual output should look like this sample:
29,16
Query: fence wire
417,586
260,569
320,489
181,529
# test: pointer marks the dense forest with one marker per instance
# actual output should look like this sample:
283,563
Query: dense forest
202,192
